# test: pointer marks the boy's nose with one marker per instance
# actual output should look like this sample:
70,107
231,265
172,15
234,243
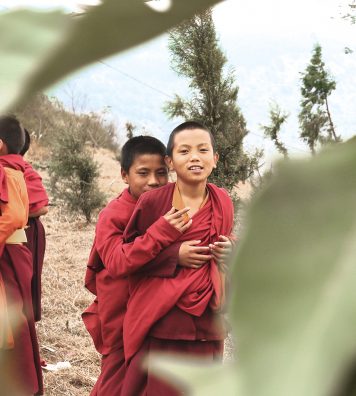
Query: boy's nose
194,156
153,181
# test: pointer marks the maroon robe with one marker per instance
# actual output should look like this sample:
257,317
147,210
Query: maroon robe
16,271
109,263
35,232
177,314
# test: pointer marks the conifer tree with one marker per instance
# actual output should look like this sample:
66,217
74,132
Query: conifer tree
278,118
316,125
196,55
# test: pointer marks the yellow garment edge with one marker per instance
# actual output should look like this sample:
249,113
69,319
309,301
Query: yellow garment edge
19,236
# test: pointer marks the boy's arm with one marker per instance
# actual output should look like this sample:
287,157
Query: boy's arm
38,198
41,212
121,259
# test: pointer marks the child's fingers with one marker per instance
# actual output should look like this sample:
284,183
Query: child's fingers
179,213
224,238
202,257
186,226
171,211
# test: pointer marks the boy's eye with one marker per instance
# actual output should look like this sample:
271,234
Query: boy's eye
204,150
183,151
162,173
142,173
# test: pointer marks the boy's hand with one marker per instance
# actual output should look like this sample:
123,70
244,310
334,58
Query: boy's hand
176,219
192,256
221,250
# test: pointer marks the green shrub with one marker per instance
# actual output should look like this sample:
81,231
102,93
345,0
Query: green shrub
74,175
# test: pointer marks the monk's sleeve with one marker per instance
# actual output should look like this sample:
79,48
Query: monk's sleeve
14,213
166,262
121,259
37,194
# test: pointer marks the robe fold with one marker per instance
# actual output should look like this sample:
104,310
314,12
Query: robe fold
23,357
35,232
191,291
170,313
106,277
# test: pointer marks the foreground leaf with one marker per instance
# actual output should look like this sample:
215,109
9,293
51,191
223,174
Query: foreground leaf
104,30
26,38
293,308
199,378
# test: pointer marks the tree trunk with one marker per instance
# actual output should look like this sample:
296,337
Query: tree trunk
330,120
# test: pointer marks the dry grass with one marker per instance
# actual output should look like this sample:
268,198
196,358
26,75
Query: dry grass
62,334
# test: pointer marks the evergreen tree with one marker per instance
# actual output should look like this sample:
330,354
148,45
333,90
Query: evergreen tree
130,128
316,125
74,175
196,55
271,131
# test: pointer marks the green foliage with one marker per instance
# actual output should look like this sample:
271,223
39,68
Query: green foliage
350,15
196,55
47,118
316,125
39,48
74,175
271,131
130,129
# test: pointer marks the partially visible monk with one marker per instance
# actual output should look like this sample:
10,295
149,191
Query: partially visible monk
181,314
143,169
19,340
35,232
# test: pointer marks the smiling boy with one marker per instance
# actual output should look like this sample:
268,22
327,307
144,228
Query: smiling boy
180,314
143,169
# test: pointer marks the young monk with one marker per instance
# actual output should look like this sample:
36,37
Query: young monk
35,232
179,314
143,169
21,346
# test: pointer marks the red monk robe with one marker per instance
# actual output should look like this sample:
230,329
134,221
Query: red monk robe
16,273
109,263
36,237
177,314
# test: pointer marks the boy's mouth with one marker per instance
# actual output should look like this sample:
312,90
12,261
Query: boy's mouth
195,168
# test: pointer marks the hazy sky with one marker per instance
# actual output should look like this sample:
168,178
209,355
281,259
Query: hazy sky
267,43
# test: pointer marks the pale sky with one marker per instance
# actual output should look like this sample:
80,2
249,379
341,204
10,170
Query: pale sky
267,43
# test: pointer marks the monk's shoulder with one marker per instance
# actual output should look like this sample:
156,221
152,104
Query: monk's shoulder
220,191
118,209
160,194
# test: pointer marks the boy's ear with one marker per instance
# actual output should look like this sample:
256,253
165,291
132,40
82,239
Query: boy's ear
124,176
216,159
3,147
169,162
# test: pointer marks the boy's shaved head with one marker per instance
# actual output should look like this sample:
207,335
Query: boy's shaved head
140,145
12,134
190,125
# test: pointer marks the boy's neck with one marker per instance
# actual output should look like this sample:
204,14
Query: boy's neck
192,191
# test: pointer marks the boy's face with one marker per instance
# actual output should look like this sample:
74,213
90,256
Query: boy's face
148,171
193,157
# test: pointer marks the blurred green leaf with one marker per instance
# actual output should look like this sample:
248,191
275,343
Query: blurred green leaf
200,378
293,308
26,38
38,49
